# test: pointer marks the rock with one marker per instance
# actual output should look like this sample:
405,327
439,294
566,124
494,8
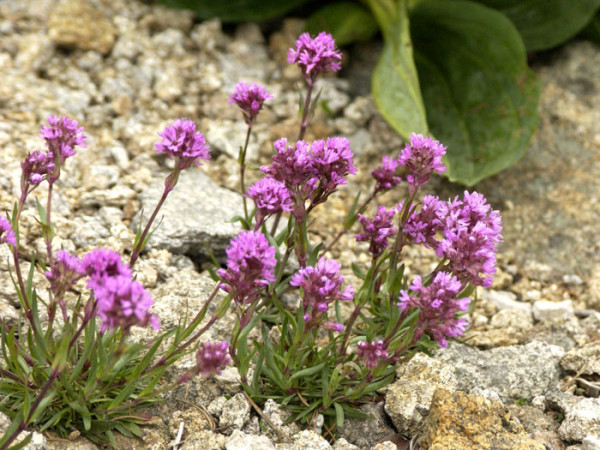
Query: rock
407,400
343,444
581,419
196,213
277,415
540,426
205,439
305,440
585,360
546,311
366,433
65,26
242,441
35,50
515,319
514,372
229,380
458,420
236,412
591,442
505,300
38,441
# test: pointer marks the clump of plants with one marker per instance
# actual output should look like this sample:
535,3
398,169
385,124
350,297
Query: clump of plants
69,362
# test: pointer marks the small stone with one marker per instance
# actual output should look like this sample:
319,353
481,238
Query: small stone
538,271
407,400
547,311
229,380
277,415
386,445
78,23
236,412
581,420
505,300
216,406
360,110
585,360
458,420
242,441
591,442
343,444
305,440
512,318
572,280
35,50
366,433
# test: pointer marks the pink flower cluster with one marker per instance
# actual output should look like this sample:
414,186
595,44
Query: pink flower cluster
120,301
250,99
7,235
438,305
371,353
321,285
270,197
66,270
181,142
315,55
377,230
250,266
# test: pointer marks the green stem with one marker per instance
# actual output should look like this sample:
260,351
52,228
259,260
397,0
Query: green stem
242,161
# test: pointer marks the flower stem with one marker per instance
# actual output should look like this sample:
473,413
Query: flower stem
306,111
242,162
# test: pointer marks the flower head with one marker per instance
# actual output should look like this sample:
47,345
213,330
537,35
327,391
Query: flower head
423,226
122,302
332,162
250,99
36,166
471,235
62,136
321,285
181,142
371,352
66,270
250,266
421,158
211,357
438,306
7,235
291,165
377,230
270,196
101,264
315,56
385,175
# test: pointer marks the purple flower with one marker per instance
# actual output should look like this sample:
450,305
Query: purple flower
62,136
332,326
250,99
438,307
371,352
65,272
421,158
321,285
270,196
181,142
211,357
423,226
315,56
385,175
36,166
377,230
331,161
122,302
7,235
250,266
471,235
291,165
102,263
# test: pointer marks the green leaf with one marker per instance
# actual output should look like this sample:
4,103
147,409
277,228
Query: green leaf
395,84
307,372
339,415
544,24
481,97
346,21
236,10
592,31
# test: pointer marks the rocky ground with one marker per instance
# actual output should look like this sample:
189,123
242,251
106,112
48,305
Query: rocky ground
525,375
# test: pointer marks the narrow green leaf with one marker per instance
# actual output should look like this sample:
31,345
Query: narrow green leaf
347,22
339,415
481,97
395,83
544,24
307,372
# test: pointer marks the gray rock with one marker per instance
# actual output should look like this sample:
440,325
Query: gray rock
585,360
305,440
368,432
242,441
343,444
35,50
196,214
580,420
546,311
205,440
514,372
591,442
512,318
236,412
38,441
407,401
277,415
505,300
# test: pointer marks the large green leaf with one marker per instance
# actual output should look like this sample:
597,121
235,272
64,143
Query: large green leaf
346,21
395,82
481,97
545,24
236,10
592,31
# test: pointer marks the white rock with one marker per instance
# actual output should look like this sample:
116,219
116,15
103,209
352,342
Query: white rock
505,300
547,311
581,420
242,441
591,442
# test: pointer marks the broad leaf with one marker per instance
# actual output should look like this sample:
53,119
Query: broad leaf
481,97
544,24
395,83
346,21
236,10
592,31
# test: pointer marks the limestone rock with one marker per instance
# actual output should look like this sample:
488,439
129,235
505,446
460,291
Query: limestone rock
581,419
585,359
365,433
458,420
78,23
243,441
